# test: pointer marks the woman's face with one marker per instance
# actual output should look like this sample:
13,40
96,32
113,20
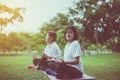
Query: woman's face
48,39
69,35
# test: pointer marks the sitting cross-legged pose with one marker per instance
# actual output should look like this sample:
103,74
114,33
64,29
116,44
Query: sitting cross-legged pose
71,66
52,50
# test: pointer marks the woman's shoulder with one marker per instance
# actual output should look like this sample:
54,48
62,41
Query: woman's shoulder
55,45
75,42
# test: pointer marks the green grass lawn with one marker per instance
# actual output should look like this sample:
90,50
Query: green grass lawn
103,67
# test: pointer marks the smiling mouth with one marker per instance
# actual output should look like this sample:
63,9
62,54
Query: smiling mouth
68,37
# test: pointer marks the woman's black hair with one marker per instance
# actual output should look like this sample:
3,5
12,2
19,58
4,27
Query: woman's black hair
73,28
52,34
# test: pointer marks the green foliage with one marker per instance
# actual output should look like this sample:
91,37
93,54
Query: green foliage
100,19
16,15
60,38
4,44
21,42
24,37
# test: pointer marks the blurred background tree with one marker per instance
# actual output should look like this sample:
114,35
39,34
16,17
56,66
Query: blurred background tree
13,15
98,23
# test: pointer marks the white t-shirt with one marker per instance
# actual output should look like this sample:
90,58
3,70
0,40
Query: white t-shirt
53,50
71,51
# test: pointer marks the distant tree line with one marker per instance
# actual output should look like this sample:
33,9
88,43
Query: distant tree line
21,42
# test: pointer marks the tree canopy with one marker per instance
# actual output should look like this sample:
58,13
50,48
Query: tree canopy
100,20
13,15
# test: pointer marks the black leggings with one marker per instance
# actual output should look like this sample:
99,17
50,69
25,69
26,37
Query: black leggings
69,71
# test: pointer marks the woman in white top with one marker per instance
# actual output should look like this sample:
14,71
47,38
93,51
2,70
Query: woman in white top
72,51
71,64
52,50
